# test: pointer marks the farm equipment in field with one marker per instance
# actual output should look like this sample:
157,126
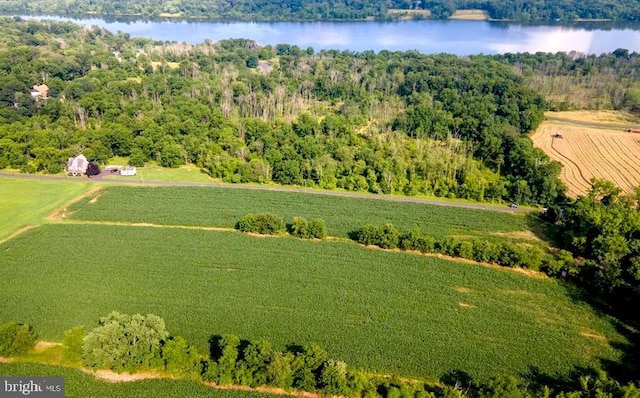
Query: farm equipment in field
558,135
631,130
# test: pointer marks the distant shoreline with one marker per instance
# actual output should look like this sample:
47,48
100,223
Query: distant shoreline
401,16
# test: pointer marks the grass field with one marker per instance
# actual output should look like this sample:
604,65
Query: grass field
153,172
470,15
382,311
223,207
594,144
25,202
81,385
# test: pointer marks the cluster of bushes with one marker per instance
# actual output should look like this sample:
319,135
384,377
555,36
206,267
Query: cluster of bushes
16,339
308,229
271,224
261,223
506,254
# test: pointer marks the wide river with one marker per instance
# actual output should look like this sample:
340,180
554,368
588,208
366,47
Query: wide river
457,37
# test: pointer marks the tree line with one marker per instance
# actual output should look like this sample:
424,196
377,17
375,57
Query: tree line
271,10
392,122
134,343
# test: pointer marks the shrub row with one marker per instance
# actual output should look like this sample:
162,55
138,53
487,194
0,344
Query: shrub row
261,223
271,224
141,343
506,254
308,229
137,342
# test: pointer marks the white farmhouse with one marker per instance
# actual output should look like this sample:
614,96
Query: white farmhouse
77,166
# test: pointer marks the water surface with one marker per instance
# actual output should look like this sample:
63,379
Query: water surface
430,36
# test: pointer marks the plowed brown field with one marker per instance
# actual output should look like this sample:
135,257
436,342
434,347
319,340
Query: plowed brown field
594,144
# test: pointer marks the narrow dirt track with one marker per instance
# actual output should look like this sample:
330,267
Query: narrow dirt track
435,202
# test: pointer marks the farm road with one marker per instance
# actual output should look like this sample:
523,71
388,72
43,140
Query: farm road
435,202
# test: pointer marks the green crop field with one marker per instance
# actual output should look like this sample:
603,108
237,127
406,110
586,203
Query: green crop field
27,202
81,385
224,206
382,311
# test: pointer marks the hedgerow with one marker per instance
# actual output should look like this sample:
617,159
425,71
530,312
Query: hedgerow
261,223
506,254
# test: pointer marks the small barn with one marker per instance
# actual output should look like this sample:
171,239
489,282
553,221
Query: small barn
128,171
77,166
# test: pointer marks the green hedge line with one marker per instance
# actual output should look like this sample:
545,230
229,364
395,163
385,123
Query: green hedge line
506,254
271,224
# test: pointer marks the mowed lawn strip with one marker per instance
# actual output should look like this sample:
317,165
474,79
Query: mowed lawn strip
78,384
224,206
27,202
387,312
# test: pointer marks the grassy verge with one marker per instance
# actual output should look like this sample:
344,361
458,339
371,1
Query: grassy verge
27,202
382,311
223,207
152,172
82,385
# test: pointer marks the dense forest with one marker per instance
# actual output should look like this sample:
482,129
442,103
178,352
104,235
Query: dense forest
271,10
385,123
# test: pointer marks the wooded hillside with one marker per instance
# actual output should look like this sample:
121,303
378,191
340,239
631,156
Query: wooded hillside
388,123
273,10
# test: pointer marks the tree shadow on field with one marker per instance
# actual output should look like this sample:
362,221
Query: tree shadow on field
542,229
537,380
294,348
624,318
353,235
216,342
215,348
458,379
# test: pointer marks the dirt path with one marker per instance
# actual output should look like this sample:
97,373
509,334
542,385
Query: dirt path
435,202
18,232
62,211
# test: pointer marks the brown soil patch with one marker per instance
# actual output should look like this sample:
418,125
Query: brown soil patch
267,390
95,199
462,289
43,345
5,360
257,235
466,305
114,377
124,377
63,211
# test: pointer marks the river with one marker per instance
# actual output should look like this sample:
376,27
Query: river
429,36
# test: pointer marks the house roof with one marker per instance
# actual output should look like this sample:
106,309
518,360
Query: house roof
42,90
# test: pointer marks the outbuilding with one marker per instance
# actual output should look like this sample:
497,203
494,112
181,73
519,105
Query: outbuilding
128,171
